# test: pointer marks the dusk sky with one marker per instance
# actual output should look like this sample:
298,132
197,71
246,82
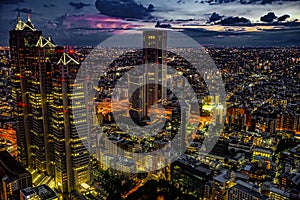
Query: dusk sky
87,22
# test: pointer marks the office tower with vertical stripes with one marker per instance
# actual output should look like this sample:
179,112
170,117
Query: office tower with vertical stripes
42,76
70,155
22,56
153,90
154,58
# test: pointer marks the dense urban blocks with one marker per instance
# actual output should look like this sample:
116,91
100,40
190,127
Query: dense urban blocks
257,155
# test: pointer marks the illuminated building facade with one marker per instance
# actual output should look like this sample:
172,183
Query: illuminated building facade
264,152
189,179
40,97
22,58
42,83
154,89
154,58
31,94
297,123
71,158
243,190
221,184
277,194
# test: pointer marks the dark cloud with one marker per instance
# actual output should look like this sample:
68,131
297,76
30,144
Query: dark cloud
283,18
11,1
218,19
49,5
234,20
263,2
79,5
151,8
270,38
23,10
184,20
270,17
123,9
180,2
214,17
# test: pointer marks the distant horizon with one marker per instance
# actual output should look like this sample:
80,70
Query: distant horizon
213,38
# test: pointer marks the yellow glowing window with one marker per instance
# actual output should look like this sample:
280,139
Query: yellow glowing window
151,37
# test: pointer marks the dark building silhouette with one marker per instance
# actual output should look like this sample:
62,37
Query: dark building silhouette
14,177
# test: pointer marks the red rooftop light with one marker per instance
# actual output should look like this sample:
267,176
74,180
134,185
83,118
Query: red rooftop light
71,51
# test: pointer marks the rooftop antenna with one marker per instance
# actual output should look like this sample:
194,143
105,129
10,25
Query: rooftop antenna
28,17
19,22
18,18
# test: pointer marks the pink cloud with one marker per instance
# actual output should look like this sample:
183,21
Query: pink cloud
97,21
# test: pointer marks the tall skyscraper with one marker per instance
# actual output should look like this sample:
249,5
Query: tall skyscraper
71,158
21,39
153,91
43,77
154,58
39,99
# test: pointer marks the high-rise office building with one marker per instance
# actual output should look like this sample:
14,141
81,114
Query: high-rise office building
71,157
39,99
22,38
43,77
153,91
154,59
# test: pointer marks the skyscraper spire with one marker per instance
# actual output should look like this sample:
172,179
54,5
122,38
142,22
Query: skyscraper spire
19,22
28,17
29,23
18,18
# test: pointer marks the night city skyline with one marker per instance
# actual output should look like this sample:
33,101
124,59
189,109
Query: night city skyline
138,100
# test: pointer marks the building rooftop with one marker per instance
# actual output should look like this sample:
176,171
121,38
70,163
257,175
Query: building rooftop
248,188
295,177
194,164
42,191
224,177
27,192
264,150
279,191
10,166
242,176
45,192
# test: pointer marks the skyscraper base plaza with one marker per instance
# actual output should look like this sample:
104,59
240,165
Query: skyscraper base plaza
257,155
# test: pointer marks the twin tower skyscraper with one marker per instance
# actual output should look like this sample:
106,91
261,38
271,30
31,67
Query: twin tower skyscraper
42,78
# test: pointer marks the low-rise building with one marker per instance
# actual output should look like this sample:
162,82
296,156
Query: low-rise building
243,190
14,176
42,192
